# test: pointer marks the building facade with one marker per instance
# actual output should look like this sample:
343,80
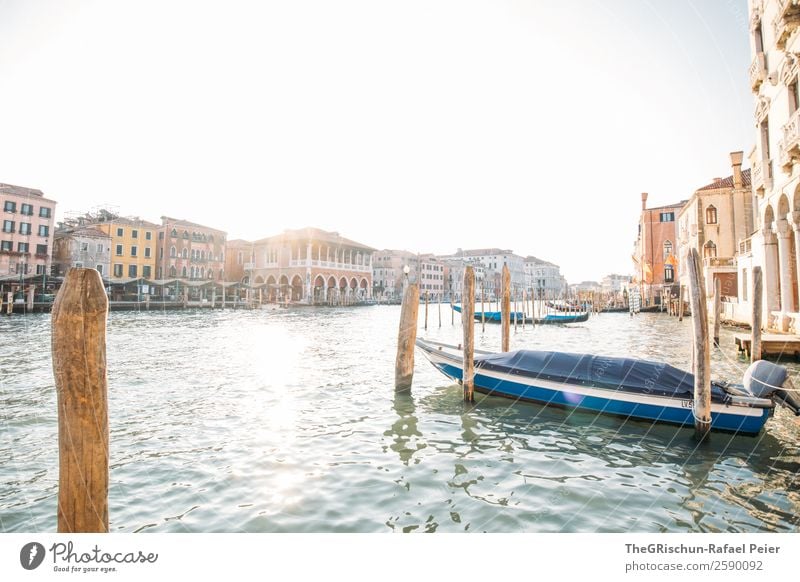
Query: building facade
133,244
27,233
714,221
187,250
454,282
239,257
543,278
388,273
775,164
654,255
493,260
81,246
313,266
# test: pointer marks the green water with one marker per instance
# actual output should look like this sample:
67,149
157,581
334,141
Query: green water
287,421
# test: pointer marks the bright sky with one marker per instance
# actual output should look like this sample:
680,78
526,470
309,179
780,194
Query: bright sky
426,125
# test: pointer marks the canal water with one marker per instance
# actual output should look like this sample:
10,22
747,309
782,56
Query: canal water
287,421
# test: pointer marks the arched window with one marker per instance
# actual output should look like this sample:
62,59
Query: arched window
172,252
210,274
173,233
669,274
172,271
183,272
711,215
709,250
667,249
186,234
185,253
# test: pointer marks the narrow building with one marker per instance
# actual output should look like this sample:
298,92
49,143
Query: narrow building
27,234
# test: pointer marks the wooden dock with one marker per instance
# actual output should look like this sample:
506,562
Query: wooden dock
772,344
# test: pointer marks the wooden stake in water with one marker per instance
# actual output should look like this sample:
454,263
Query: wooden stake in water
440,310
702,354
10,303
515,311
680,303
483,312
79,369
524,309
755,339
468,319
717,309
406,338
426,310
506,310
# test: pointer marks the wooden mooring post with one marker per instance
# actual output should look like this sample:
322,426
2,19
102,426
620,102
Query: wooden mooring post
483,312
426,310
680,303
440,310
468,321
505,320
758,293
717,309
9,303
524,309
79,319
701,408
406,338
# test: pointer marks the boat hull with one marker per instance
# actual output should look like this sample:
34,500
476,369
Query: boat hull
677,411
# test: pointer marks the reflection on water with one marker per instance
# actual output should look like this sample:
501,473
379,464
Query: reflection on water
288,421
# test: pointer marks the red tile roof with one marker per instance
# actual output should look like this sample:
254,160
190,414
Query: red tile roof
728,182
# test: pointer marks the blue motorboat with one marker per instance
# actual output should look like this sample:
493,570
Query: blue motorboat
627,387
496,317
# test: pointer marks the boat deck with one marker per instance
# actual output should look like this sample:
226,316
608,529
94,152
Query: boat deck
775,345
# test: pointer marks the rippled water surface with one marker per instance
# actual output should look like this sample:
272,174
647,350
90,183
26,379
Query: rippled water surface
288,421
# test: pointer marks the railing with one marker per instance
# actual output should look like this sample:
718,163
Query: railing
762,175
719,262
789,147
758,71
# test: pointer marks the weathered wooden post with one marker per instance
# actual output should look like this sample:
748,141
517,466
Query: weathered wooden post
223,294
755,340
701,407
79,368
506,310
406,338
468,319
680,303
483,311
452,311
185,297
29,302
214,297
524,309
515,311
440,310
717,309
426,310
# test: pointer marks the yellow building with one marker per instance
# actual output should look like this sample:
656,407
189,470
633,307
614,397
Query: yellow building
133,246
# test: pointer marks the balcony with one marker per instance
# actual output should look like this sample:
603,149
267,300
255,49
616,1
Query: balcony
786,21
762,175
758,71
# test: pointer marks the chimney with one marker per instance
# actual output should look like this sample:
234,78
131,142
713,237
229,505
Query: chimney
736,164
644,200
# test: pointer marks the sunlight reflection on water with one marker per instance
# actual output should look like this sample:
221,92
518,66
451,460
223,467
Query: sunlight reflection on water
288,421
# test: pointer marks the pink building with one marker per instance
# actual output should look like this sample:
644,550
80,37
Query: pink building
27,232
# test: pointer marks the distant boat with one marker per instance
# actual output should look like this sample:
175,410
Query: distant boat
496,317
627,387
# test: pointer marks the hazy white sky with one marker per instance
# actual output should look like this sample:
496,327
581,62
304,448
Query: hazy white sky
426,125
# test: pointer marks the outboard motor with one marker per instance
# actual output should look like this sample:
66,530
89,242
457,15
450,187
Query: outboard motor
764,380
